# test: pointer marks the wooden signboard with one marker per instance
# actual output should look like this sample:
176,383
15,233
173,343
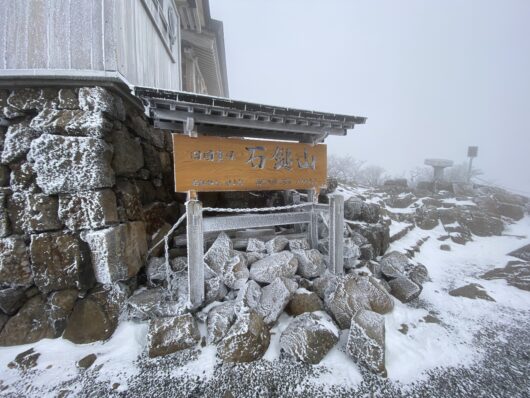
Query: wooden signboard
228,164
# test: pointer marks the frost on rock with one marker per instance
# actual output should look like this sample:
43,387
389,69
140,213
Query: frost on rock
248,297
88,210
18,142
354,293
366,341
118,252
324,284
404,289
309,337
71,164
99,99
152,303
278,264
246,341
299,244
215,289
172,334
219,321
394,265
256,245
277,244
60,261
71,122
236,273
155,270
419,274
219,253
274,299
252,257
14,262
351,253
33,212
310,262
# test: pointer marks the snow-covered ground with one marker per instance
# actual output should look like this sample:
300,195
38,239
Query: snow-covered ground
447,341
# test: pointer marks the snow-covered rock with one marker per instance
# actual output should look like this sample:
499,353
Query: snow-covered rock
219,321
215,289
309,337
394,265
219,253
278,264
172,334
118,252
366,341
256,245
235,272
324,284
18,142
248,297
88,209
59,261
276,244
351,253
246,341
354,293
274,299
299,244
404,289
310,262
153,303
33,212
71,164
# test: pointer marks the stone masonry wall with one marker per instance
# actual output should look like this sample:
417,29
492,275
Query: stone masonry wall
85,183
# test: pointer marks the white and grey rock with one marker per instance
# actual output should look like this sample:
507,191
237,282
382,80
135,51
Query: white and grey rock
310,262
269,268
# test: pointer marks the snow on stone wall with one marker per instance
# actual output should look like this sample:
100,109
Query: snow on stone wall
84,183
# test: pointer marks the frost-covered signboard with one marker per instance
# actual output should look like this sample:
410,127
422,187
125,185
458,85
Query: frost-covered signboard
229,164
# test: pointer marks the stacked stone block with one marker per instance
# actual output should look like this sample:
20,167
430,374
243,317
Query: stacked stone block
84,182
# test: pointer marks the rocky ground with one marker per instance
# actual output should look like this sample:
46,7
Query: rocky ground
447,274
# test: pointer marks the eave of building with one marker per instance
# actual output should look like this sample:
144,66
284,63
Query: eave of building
210,115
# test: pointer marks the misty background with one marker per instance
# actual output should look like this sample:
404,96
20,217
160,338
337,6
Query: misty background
433,77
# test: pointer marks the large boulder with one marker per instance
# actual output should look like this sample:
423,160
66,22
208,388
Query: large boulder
154,303
522,253
481,223
269,268
356,209
17,142
394,265
309,337
366,341
219,321
88,210
117,252
169,335
219,253
354,293
236,273
71,164
274,298
60,261
304,301
246,341
513,211
404,289
39,319
378,235
516,273
310,262
248,297
95,317
276,244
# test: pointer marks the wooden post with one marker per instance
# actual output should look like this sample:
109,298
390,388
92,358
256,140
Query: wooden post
195,252
336,234
313,225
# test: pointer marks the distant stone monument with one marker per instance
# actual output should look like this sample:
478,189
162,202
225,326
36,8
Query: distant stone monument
438,165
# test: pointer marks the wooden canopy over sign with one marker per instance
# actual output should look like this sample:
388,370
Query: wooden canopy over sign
206,163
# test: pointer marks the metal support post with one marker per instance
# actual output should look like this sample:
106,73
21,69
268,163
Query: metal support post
195,252
313,225
336,234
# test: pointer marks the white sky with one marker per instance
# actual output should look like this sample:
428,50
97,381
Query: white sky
431,76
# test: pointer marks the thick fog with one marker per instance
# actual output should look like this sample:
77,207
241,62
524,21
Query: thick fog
431,76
